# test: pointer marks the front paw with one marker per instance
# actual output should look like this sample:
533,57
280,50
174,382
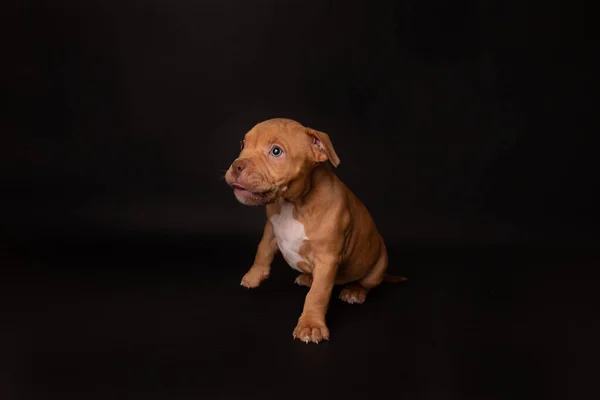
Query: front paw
311,330
254,277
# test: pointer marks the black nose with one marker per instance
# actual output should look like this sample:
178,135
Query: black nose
238,166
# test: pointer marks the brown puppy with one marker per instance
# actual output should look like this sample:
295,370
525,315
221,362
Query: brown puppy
318,224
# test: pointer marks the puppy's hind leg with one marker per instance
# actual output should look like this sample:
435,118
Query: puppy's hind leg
356,292
304,280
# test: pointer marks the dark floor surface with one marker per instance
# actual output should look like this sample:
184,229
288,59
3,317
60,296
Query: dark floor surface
152,319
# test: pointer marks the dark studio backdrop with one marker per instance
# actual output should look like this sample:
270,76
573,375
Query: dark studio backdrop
455,122
458,124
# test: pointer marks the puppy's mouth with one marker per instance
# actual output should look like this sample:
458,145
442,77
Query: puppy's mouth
240,189
237,186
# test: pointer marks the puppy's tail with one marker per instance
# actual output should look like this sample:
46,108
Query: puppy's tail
394,278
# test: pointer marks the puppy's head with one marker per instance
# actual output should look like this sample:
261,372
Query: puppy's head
276,159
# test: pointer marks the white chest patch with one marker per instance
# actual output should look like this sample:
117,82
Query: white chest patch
290,234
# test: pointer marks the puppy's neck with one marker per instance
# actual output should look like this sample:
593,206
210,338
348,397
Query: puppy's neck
321,182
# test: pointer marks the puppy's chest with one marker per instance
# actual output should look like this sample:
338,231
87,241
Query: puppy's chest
290,235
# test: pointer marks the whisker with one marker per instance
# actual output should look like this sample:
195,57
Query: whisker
223,172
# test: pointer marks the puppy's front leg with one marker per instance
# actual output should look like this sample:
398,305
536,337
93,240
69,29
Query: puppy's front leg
267,248
311,324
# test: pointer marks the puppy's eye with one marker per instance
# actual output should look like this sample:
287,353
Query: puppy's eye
241,145
276,151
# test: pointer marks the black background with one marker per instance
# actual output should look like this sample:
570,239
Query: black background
461,126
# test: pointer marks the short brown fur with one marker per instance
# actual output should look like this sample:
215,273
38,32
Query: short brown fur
344,246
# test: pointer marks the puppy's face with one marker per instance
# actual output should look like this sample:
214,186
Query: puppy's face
276,159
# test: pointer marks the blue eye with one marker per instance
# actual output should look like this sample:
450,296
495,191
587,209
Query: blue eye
276,151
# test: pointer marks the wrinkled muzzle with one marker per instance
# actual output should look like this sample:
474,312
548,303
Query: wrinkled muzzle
250,185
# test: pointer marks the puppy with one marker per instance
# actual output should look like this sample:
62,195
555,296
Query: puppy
320,227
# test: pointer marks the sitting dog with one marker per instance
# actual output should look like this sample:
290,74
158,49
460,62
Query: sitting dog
321,228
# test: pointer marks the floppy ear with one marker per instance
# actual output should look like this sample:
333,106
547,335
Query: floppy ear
322,147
